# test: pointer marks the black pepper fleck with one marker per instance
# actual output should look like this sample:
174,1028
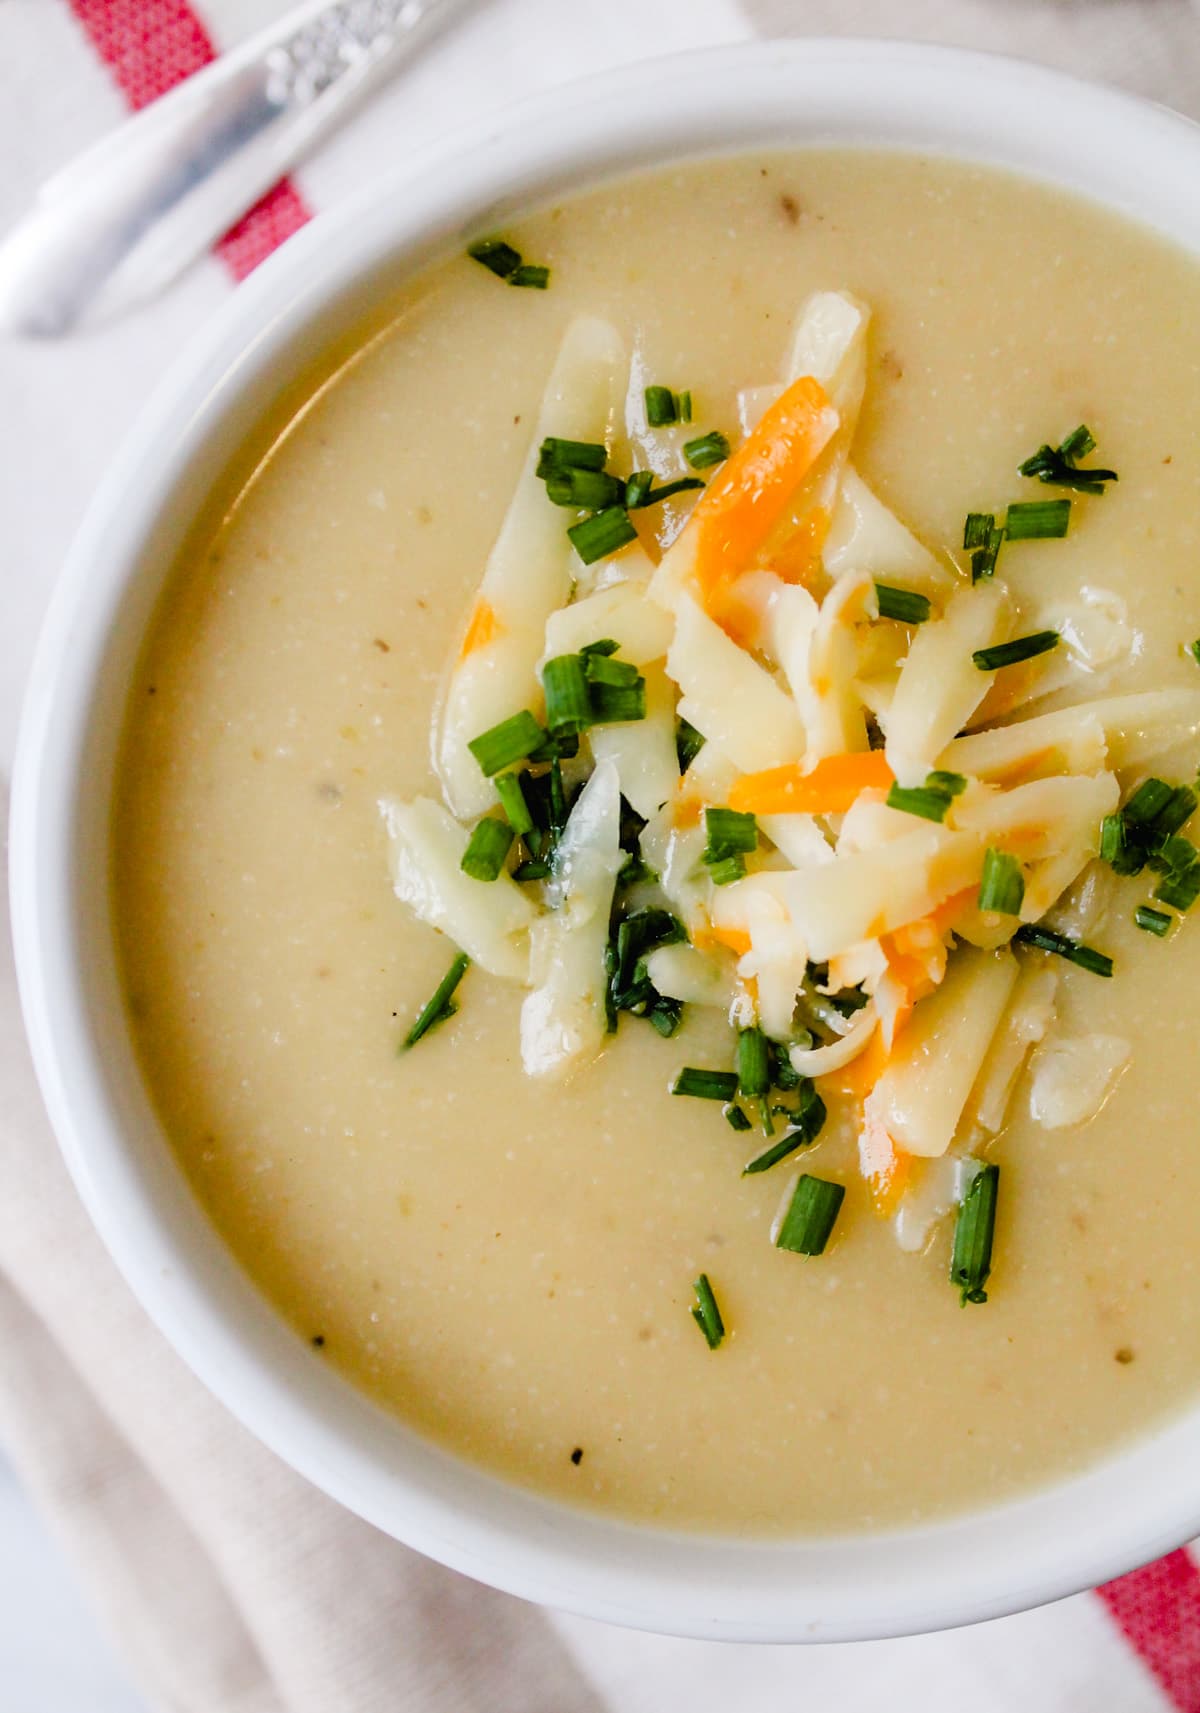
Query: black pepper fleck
577,1456
318,1341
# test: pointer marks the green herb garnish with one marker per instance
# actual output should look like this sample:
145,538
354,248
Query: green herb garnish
1063,946
688,744
706,1085
555,455
1058,465
931,800
646,494
1037,520
706,1314
512,740
684,405
617,704
586,490
1014,652
903,605
440,1004
753,1064
500,258
568,704
984,537
487,848
812,1211
974,1230
601,534
512,800
530,274
662,407
1153,921
805,1124
707,449
1003,885
736,1118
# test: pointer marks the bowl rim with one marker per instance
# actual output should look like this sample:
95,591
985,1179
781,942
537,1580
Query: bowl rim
1139,1502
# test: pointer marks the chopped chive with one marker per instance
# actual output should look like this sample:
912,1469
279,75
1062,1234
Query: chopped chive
487,848
1057,465
439,1005
534,869
568,705
601,534
706,1314
982,534
555,454
903,605
710,448
1003,885
1175,813
603,669
688,744
916,800
1153,921
589,490
804,1126
496,255
1115,849
1181,888
931,800
637,489
974,1230
512,740
706,1085
617,704
530,274
606,645
753,1063
1046,940
561,748
633,871
849,1000
650,495
783,1073
1014,652
512,800
1174,854
723,871
665,1015
662,407
629,988
736,1118
1037,520
559,807
812,1211
1194,649
684,404
1148,801
729,830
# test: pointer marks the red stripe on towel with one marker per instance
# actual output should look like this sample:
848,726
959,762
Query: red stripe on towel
1157,1609
151,45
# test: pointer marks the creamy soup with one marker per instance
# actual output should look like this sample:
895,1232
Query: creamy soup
508,1261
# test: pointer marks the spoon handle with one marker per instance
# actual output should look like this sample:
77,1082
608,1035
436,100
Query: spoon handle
123,220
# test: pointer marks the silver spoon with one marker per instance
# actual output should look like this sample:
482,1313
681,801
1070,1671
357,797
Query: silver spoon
121,222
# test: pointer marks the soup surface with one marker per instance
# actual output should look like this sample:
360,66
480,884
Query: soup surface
507,1263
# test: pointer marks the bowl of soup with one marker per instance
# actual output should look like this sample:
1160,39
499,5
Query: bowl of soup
601,845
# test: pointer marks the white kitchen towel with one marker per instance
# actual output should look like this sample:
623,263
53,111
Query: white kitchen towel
229,1584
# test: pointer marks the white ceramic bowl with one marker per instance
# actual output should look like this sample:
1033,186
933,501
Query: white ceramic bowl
1129,156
